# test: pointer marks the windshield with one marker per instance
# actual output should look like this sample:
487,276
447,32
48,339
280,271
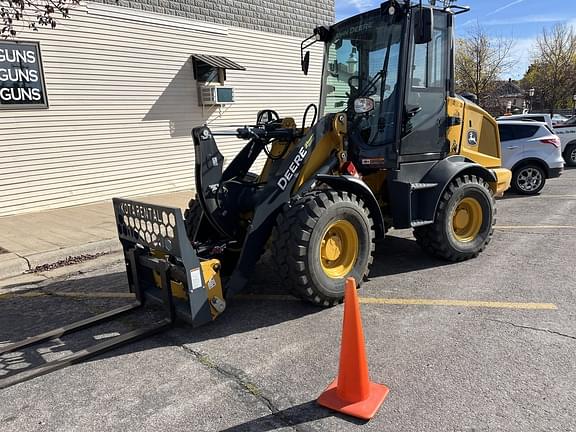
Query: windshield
355,66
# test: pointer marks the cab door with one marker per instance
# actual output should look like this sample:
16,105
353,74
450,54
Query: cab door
424,117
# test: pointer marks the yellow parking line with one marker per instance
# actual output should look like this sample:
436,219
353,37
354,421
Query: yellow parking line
458,303
274,297
24,294
556,196
94,294
535,227
72,294
364,300
418,302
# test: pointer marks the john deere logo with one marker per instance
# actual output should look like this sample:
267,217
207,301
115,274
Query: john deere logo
472,137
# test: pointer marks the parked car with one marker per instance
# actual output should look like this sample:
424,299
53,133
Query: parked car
566,131
558,119
545,118
532,152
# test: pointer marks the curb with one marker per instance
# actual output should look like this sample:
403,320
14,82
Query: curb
12,265
15,266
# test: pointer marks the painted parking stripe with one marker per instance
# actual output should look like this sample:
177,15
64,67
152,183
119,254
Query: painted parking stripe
102,295
556,196
419,302
504,227
94,294
458,303
272,297
364,300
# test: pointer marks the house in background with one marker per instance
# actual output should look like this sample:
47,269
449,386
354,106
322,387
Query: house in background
509,97
104,104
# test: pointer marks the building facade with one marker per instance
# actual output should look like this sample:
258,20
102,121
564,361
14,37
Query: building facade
125,83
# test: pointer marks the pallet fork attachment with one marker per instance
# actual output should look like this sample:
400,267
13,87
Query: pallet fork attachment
159,261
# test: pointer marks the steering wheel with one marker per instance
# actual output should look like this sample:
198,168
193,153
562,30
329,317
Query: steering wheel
266,116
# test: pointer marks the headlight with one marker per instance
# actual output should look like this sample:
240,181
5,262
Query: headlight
363,105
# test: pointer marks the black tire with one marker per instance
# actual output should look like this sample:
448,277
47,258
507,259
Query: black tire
297,239
528,179
570,155
440,238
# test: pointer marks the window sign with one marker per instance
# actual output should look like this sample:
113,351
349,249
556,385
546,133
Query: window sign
21,76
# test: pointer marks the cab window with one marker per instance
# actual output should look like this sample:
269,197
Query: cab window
426,89
429,72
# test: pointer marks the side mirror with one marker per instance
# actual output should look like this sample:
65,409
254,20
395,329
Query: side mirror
423,25
306,62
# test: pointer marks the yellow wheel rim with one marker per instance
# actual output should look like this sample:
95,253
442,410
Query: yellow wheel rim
339,249
467,219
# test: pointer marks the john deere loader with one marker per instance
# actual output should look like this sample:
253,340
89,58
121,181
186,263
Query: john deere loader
390,145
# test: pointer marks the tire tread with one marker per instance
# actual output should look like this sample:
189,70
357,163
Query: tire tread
291,238
431,238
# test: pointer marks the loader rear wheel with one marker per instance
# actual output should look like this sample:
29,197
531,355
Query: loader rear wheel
319,240
464,221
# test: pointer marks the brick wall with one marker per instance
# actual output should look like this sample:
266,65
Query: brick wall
286,17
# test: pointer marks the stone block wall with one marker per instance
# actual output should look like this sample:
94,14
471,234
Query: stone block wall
286,17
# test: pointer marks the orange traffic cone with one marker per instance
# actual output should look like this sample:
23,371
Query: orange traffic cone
352,392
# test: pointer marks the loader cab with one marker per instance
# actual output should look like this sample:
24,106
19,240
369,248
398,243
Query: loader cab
390,70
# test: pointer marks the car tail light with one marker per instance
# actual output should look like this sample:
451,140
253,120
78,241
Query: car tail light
554,141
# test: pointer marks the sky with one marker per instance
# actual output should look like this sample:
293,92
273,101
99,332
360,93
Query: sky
521,20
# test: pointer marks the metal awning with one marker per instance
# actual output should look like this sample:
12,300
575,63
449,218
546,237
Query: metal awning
217,61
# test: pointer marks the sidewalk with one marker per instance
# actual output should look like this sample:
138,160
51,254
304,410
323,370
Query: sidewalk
46,237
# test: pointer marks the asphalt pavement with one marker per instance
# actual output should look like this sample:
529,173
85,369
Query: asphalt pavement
484,345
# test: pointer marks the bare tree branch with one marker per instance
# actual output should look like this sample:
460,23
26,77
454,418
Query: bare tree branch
480,61
32,14
553,70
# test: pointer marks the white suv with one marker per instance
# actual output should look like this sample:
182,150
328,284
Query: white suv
566,132
532,152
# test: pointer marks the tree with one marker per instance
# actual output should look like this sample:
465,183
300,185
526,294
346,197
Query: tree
480,61
17,14
553,69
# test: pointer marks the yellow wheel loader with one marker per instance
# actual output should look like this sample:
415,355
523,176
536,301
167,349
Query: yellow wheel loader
390,145
393,146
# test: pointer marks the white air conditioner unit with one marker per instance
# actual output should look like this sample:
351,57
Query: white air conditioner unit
212,95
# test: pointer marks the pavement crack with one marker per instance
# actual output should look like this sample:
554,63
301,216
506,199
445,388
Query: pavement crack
240,378
534,328
25,259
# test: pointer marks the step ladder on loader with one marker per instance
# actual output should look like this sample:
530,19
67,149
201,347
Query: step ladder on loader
162,267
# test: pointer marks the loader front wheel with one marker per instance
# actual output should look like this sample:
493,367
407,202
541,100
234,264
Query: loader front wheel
319,240
464,221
